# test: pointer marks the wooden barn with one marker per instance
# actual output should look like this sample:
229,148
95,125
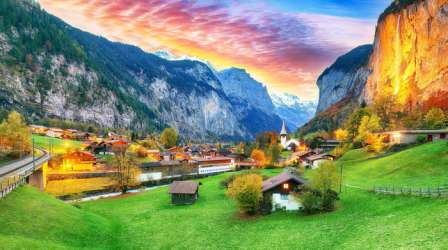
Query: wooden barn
184,192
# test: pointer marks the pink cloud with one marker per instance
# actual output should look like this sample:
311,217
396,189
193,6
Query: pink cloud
283,50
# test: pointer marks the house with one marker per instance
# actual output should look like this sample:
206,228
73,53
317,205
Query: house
328,145
154,154
410,136
78,161
184,192
314,161
37,129
215,165
55,132
281,189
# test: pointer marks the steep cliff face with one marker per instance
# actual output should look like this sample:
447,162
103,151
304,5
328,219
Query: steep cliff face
237,83
345,78
409,60
250,101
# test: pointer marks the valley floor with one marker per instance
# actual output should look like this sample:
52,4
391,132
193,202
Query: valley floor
363,220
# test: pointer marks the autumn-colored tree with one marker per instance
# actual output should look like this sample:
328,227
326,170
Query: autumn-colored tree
369,125
354,120
246,191
169,137
258,156
15,136
435,119
266,139
341,134
375,143
127,170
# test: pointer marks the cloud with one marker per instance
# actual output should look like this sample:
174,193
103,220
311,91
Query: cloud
286,51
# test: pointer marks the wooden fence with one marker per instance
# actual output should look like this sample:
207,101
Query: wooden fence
435,192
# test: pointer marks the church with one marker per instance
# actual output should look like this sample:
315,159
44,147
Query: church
291,144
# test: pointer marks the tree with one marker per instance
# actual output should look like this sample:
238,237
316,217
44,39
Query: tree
375,143
322,195
354,120
274,153
246,191
169,137
266,139
341,135
15,136
435,119
259,157
369,124
127,168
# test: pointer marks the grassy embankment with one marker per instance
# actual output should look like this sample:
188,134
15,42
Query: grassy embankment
362,221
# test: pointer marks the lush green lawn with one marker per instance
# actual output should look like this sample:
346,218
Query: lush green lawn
420,166
148,221
57,146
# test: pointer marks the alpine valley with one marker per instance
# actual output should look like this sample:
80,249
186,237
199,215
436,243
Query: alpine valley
49,69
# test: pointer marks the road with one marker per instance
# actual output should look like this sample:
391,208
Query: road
23,166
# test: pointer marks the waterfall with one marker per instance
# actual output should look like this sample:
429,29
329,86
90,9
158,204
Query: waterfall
397,61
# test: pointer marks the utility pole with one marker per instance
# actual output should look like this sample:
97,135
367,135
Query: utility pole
340,180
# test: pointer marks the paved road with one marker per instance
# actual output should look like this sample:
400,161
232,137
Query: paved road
23,165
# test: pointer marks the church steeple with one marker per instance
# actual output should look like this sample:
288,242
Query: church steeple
283,132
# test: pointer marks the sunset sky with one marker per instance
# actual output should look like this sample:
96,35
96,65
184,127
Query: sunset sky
284,44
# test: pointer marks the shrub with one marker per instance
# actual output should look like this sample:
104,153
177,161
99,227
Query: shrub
421,139
329,199
226,182
311,201
246,191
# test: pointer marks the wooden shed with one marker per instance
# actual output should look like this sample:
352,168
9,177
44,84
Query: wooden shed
184,192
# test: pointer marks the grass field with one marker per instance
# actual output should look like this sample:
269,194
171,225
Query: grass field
56,145
421,166
363,220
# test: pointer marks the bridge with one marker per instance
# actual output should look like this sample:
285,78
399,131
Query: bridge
29,170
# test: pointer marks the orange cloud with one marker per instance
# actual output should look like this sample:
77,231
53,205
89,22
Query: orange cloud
285,51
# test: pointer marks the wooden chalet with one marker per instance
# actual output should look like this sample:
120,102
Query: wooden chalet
184,192
78,161
280,190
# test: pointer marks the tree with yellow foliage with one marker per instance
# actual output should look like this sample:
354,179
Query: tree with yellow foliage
369,125
246,191
15,136
169,137
341,135
258,156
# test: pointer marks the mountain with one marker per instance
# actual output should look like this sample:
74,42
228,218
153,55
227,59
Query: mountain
292,110
407,66
340,89
409,60
50,69
250,99
346,77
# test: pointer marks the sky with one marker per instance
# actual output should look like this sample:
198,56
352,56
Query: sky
283,44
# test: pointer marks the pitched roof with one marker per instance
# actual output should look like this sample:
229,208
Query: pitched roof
318,157
183,187
279,179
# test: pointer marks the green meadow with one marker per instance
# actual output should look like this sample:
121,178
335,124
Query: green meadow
363,220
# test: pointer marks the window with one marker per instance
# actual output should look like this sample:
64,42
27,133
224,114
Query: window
284,197
286,186
443,136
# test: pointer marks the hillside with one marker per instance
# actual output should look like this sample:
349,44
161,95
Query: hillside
420,166
33,220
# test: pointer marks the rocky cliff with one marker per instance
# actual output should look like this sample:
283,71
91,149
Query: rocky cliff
250,99
409,60
345,78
